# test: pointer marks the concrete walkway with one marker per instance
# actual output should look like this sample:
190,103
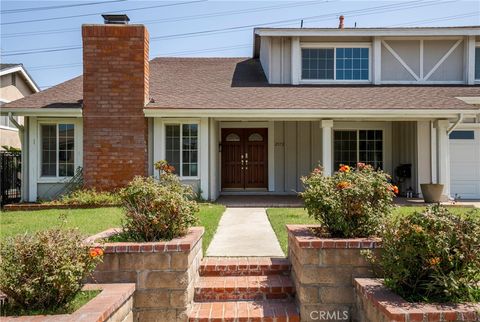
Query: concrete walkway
245,232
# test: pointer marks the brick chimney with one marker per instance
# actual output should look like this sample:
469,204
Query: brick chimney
115,91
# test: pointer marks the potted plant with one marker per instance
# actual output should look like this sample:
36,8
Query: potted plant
432,192
350,208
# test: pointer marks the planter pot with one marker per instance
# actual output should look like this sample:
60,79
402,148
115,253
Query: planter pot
164,272
376,303
113,303
432,192
323,270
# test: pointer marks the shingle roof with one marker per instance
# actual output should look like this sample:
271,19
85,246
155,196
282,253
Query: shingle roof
7,66
239,83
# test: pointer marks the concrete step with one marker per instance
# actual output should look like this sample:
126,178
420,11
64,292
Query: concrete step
244,266
263,287
252,311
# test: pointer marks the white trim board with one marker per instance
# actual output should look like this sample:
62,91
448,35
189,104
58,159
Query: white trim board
24,73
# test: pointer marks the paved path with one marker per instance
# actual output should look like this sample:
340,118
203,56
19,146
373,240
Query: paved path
245,232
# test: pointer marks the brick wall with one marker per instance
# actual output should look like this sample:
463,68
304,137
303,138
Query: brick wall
115,90
164,273
323,271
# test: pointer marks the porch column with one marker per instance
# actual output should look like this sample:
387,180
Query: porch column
327,160
443,159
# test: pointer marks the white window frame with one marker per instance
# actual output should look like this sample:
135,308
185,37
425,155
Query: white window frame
7,127
56,178
385,167
334,46
164,145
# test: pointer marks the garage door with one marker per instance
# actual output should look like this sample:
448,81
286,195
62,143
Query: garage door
465,163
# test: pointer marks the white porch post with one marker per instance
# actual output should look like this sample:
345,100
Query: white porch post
443,159
204,158
296,62
327,160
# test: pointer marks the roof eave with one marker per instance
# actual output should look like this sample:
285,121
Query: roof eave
298,113
386,32
25,74
51,112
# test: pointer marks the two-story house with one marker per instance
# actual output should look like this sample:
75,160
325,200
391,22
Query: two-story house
383,96
15,83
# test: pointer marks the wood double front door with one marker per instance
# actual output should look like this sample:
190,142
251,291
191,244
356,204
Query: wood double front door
244,158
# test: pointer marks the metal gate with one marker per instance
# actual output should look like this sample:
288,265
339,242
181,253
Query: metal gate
11,174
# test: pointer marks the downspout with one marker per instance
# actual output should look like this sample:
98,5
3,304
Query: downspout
21,132
454,126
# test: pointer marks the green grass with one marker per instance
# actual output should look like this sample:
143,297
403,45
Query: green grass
80,299
90,221
279,217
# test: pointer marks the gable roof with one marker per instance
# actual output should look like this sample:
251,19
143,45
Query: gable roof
239,83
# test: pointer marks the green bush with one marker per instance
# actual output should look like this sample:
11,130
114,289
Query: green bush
89,197
158,209
351,203
433,256
43,271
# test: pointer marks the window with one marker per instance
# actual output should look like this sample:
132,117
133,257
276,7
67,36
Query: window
353,146
181,148
344,64
57,150
5,120
462,135
477,63
317,63
352,63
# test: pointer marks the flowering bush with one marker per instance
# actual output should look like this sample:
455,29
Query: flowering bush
351,203
158,209
433,256
45,270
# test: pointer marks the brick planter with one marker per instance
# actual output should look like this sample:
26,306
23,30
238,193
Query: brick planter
164,273
323,270
113,304
375,303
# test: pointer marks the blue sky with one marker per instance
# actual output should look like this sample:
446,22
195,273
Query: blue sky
173,22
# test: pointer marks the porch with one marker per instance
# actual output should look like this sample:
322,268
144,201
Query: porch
268,157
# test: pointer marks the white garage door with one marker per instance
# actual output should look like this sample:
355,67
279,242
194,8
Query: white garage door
465,163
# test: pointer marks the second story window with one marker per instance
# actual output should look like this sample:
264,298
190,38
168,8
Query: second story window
338,63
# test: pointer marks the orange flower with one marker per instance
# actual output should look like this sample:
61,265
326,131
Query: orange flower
434,261
94,252
394,189
417,228
344,168
343,185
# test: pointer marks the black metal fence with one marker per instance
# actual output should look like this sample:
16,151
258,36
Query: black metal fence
11,176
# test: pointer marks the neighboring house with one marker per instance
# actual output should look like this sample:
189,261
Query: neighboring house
15,83
383,96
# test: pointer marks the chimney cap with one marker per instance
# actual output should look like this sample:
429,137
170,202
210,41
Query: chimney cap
121,19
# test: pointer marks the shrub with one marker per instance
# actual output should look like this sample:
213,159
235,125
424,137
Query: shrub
158,209
45,270
351,203
89,197
433,256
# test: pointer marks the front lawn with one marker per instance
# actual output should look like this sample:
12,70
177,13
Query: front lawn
90,221
279,217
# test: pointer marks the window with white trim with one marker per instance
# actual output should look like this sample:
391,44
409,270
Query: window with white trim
5,120
57,150
181,148
336,63
353,146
